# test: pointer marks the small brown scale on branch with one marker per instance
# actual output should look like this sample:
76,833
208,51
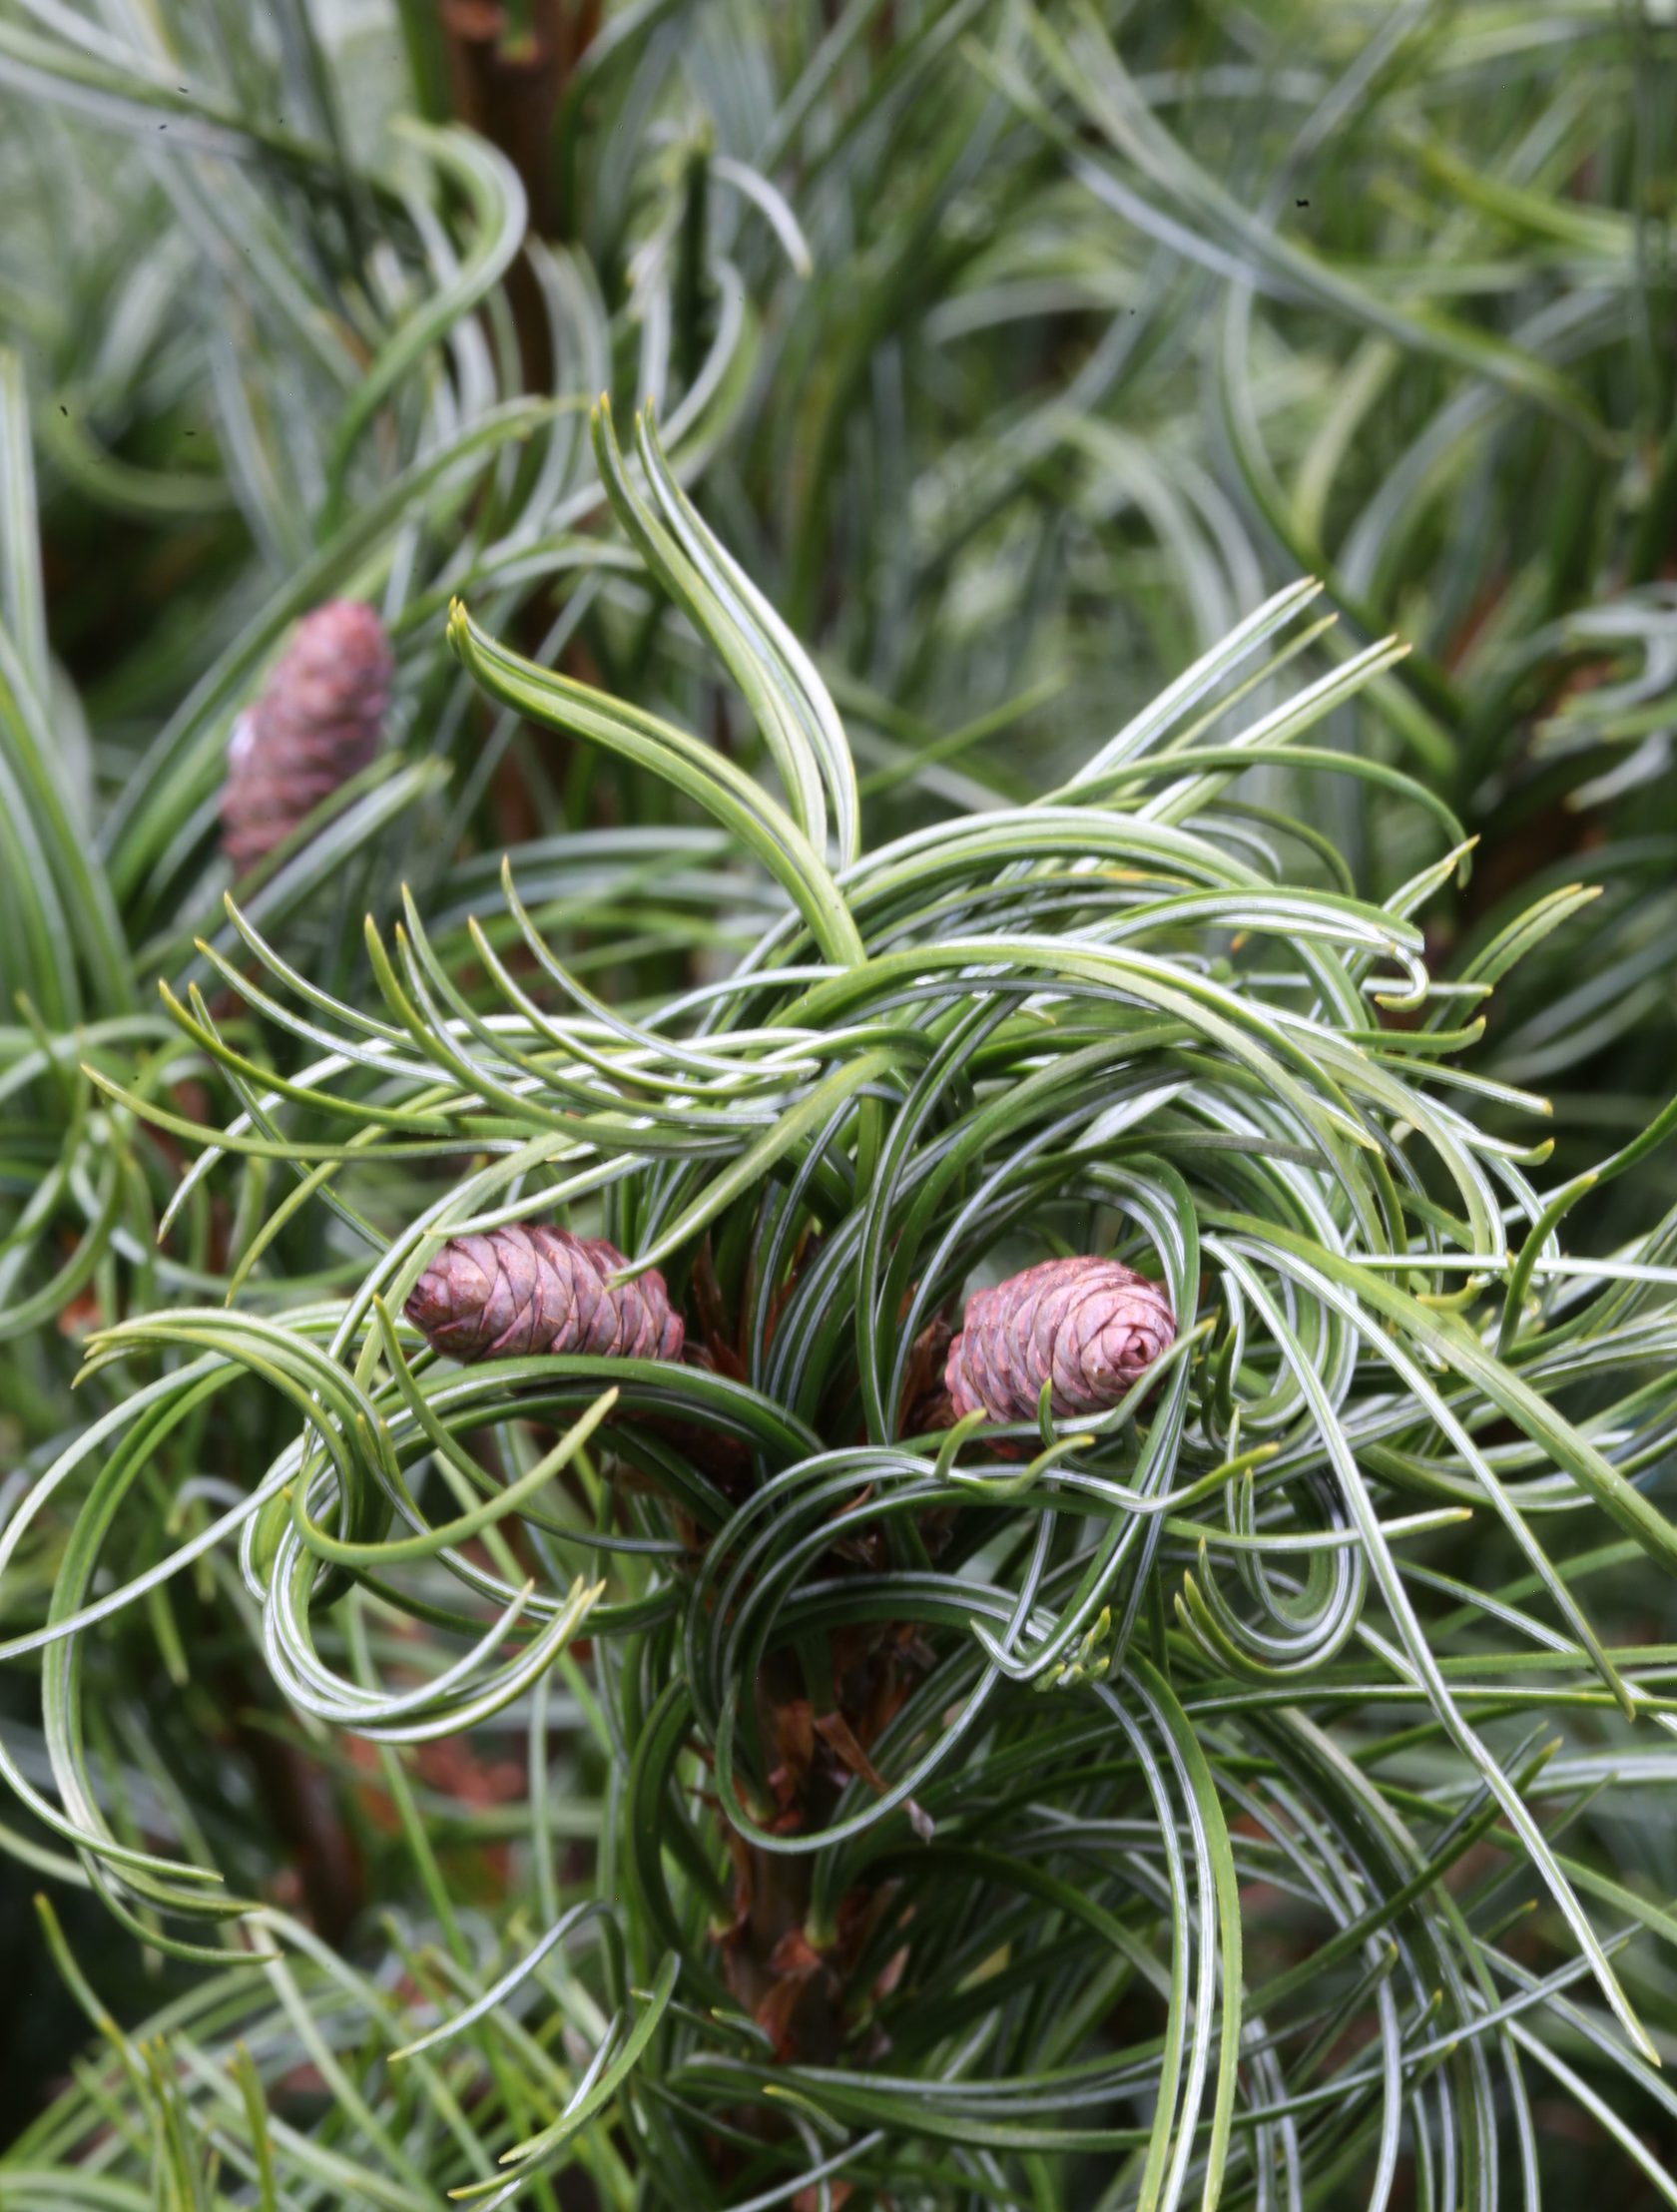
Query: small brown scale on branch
317,723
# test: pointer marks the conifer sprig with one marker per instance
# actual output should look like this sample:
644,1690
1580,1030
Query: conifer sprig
1102,1802
650,1792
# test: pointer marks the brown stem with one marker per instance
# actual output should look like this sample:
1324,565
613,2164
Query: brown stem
785,1985
297,1803
506,82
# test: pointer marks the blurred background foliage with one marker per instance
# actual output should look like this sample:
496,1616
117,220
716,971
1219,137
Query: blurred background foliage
1016,352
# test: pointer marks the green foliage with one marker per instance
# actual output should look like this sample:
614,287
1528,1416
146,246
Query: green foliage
1217,1677
607,1782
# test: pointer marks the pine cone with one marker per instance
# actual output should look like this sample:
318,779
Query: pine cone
317,724
531,1288
1089,1326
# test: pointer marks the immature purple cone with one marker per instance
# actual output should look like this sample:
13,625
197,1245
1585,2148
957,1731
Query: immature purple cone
317,723
1089,1326
531,1288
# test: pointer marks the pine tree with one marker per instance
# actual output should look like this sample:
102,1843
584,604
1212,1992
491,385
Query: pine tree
1079,1802
896,1474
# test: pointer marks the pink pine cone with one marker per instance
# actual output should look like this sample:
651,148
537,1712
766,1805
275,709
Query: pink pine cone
527,1288
1089,1326
317,723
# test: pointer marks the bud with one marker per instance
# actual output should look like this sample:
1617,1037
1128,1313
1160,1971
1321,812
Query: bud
1089,1326
317,724
526,1289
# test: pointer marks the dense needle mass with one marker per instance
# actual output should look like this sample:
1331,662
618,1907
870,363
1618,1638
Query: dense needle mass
706,1706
